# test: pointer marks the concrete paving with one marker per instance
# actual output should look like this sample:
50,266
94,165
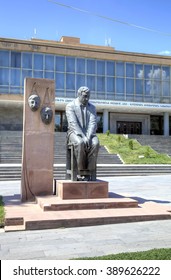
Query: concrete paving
67,243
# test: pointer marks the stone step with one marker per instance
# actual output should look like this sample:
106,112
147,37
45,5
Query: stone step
54,203
29,216
59,173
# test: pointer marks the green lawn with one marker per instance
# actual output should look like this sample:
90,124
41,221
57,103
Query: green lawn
155,254
131,151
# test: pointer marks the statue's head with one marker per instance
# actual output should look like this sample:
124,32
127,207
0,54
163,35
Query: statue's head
34,102
84,95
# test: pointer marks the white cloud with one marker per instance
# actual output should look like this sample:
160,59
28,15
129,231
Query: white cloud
165,52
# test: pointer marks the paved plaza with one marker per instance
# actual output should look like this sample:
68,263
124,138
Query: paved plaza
67,243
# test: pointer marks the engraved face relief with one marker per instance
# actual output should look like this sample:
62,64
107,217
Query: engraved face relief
46,115
34,102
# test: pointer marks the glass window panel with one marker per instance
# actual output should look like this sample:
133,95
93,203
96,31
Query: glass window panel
15,90
49,62
25,74
166,71
15,77
110,96
120,97
110,68
148,87
139,87
101,95
60,63
49,75
100,67
101,84
139,72
155,87
165,74
166,88
120,69
4,58
80,81
147,71
27,60
130,97
80,65
70,81
129,86
130,70
38,74
70,64
70,94
38,61
110,84
156,73
4,76
4,89
59,93
90,66
156,67
59,81
91,83
119,85
16,59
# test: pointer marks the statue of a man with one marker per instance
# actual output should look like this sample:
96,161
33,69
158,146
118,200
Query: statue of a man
82,123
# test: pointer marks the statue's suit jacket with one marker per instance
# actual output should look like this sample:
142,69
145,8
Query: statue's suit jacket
75,121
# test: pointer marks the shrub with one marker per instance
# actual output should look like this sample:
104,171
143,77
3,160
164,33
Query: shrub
131,144
108,132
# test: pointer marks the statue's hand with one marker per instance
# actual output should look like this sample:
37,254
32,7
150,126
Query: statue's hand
85,141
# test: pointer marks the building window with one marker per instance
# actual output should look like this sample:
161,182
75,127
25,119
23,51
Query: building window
4,58
80,65
59,81
101,84
130,70
110,84
4,76
91,69
91,82
80,81
120,69
15,77
110,68
70,64
49,62
60,63
70,81
119,85
27,60
38,61
101,68
129,86
16,59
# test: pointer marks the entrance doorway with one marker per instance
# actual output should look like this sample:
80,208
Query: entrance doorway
129,127
60,122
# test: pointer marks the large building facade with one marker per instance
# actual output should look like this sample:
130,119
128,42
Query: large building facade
131,91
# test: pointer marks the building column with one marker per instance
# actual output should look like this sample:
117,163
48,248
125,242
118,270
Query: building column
105,121
166,124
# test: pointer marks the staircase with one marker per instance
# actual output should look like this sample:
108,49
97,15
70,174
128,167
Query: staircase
159,143
11,156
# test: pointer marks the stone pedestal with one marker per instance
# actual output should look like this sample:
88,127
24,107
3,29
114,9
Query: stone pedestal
38,139
67,189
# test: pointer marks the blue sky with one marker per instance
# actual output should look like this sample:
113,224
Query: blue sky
20,18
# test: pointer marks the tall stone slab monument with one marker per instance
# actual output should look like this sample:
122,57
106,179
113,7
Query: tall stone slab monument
38,138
